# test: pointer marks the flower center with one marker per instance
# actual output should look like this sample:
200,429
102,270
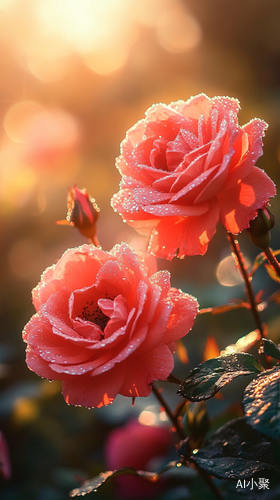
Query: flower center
95,315
92,312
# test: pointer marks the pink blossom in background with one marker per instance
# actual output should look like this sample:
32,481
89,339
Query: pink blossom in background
50,138
137,446
103,326
187,165
5,464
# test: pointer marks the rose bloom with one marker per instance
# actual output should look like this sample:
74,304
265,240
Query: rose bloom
140,447
103,326
187,165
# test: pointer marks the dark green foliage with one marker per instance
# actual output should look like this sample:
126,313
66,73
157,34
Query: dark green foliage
270,349
209,377
95,483
235,451
261,403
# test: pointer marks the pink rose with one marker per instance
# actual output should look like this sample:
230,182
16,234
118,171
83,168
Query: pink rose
103,326
186,166
137,446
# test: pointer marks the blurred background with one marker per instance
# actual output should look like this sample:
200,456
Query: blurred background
74,76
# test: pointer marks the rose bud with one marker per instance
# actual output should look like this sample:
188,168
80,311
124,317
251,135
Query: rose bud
259,228
198,423
82,212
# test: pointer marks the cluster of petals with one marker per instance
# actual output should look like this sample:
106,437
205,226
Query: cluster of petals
186,166
104,326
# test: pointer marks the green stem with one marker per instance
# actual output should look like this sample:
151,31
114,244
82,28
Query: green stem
250,294
181,433
272,260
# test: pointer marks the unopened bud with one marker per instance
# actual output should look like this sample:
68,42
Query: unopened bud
82,212
198,423
259,228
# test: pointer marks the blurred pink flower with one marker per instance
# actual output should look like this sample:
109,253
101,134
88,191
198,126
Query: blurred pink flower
49,138
5,464
137,446
103,326
187,165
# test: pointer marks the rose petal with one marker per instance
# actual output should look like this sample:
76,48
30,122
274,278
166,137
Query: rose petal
83,367
195,106
143,370
157,327
184,312
93,392
187,236
146,196
250,150
191,189
130,265
239,205
40,366
77,267
118,317
162,279
169,209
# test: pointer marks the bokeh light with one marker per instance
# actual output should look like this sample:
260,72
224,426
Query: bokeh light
49,32
177,30
151,416
228,274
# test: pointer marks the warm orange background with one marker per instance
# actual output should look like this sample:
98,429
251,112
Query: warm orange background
74,76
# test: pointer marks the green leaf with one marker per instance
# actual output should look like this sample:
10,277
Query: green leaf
270,349
235,451
95,483
209,377
261,403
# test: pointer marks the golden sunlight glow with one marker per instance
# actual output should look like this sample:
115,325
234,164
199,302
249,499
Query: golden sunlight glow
81,23
18,116
46,33
101,32
16,180
227,273
25,410
4,4
177,30
243,344
182,352
103,62
211,349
